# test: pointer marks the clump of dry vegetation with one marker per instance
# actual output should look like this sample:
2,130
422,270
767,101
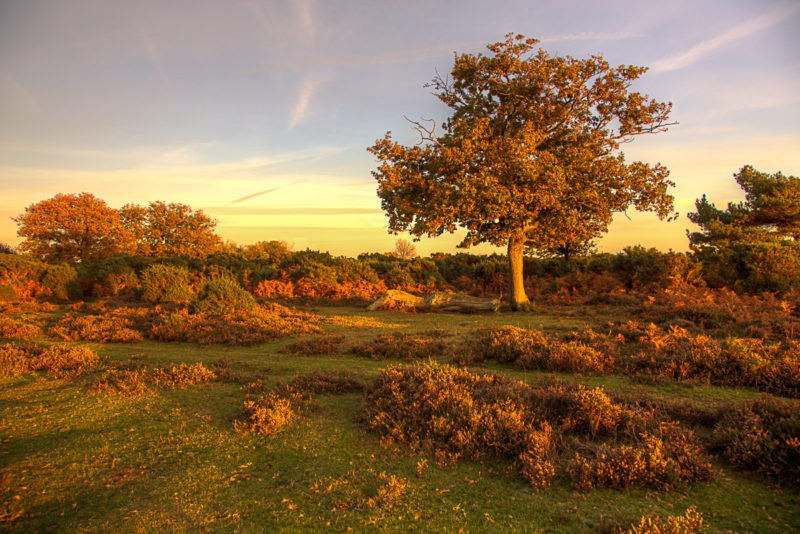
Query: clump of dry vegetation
270,412
403,346
58,361
358,490
109,325
532,349
265,415
689,523
635,348
237,327
326,344
547,430
12,328
105,322
762,435
139,380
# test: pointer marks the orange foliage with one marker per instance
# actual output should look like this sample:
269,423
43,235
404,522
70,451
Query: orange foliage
314,289
458,413
139,381
164,230
532,349
59,361
12,328
689,523
71,227
402,346
659,462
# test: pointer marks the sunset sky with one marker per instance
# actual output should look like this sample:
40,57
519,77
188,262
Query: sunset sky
208,103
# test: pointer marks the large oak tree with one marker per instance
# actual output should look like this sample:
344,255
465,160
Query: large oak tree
529,157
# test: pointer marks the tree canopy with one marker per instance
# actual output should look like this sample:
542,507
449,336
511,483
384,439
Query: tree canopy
530,156
172,229
72,227
756,240
81,227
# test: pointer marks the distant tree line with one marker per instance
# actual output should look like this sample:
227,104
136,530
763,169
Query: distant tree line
750,245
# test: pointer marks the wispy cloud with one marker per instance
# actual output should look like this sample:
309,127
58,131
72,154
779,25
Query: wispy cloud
304,96
270,190
155,58
305,12
293,210
591,36
699,51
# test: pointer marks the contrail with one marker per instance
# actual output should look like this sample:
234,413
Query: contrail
266,191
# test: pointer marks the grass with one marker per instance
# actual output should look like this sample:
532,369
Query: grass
76,461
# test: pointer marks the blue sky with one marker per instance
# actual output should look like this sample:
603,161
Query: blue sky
208,102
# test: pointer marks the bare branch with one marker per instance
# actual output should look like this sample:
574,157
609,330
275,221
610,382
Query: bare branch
425,133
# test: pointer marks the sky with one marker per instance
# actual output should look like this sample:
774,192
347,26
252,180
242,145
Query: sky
259,112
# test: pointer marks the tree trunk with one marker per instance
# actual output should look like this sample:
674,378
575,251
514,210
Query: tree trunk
516,291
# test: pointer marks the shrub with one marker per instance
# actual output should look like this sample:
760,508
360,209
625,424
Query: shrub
266,415
441,407
680,355
138,381
532,349
165,283
659,462
58,361
689,523
12,328
222,295
457,413
401,346
762,435
327,344
112,327
238,327
29,278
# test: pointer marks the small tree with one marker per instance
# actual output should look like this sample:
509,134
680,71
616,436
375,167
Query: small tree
70,227
164,230
529,157
755,240
404,249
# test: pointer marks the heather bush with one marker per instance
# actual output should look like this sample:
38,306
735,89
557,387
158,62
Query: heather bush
265,415
12,328
660,462
58,361
326,344
458,413
142,380
437,406
402,346
762,435
112,326
532,349
680,355
165,283
689,523
237,327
